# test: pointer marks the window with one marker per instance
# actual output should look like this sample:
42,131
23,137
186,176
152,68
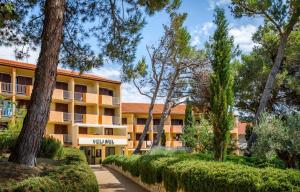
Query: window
24,80
176,122
80,109
80,88
6,78
156,121
138,135
104,91
61,85
141,121
109,131
60,129
83,130
109,112
124,121
61,107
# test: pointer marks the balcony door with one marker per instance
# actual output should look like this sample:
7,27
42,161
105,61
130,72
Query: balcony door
109,112
80,88
60,129
104,91
61,85
61,107
21,80
80,109
5,78
176,122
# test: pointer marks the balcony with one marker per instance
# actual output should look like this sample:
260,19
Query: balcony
6,113
108,100
177,144
86,97
86,118
176,128
109,120
6,88
59,117
130,128
145,144
24,90
130,144
140,128
59,94
78,96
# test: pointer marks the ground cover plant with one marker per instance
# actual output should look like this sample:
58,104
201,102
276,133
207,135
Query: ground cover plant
197,172
70,173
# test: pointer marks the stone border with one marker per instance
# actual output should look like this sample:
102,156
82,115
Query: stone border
149,187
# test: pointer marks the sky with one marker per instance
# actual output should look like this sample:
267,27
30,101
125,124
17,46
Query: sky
200,25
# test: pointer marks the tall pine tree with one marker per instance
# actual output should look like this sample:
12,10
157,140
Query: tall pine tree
221,85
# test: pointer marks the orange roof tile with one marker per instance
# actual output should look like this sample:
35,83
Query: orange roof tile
22,65
142,108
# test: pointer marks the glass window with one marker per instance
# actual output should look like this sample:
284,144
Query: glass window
141,121
176,122
124,121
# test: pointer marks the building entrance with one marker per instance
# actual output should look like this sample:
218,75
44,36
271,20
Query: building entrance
89,153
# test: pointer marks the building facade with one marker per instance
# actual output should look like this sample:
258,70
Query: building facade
134,115
85,111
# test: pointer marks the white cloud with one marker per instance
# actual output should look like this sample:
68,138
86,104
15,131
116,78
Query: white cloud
131,94
109,72
214,3
243,36
200,33
9,53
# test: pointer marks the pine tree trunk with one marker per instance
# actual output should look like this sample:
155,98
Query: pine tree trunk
146,128
35,121
166,112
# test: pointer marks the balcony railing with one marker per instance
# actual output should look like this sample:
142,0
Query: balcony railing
78,118
115,101
6,112
67,116
78,96
116,120
67,94
67,138
21,89
6,87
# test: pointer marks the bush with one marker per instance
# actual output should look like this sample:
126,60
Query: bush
196,173
72,174
49,147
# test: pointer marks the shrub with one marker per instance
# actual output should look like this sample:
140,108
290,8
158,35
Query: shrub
196,173
49,147
72,174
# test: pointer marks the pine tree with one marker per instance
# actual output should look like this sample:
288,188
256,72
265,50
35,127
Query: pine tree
221,85
188,136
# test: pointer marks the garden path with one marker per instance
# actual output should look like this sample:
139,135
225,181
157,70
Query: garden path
112,181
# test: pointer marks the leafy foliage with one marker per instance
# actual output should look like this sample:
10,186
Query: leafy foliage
198,173
221,84
279,138
188,136
49,147
9,136
71,174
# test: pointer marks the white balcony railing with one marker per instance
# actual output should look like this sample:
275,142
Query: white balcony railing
67,94
21,89
6,87
67,116
115,101
78,118
78,96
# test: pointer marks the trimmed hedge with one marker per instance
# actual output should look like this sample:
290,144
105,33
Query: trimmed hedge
187,172
71,175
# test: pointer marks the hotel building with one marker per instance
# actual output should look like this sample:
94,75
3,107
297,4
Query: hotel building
134,115
85,111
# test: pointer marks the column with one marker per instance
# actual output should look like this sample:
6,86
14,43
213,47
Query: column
71,107
126,150
103,151
14,79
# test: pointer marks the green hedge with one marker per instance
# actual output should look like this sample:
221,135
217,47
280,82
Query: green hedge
190,173
71,175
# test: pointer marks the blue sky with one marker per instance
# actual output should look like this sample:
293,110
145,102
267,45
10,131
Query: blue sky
200,25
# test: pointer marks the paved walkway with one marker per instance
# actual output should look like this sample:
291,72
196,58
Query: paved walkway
112,181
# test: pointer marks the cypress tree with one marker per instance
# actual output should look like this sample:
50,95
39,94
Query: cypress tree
221,85
188,136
